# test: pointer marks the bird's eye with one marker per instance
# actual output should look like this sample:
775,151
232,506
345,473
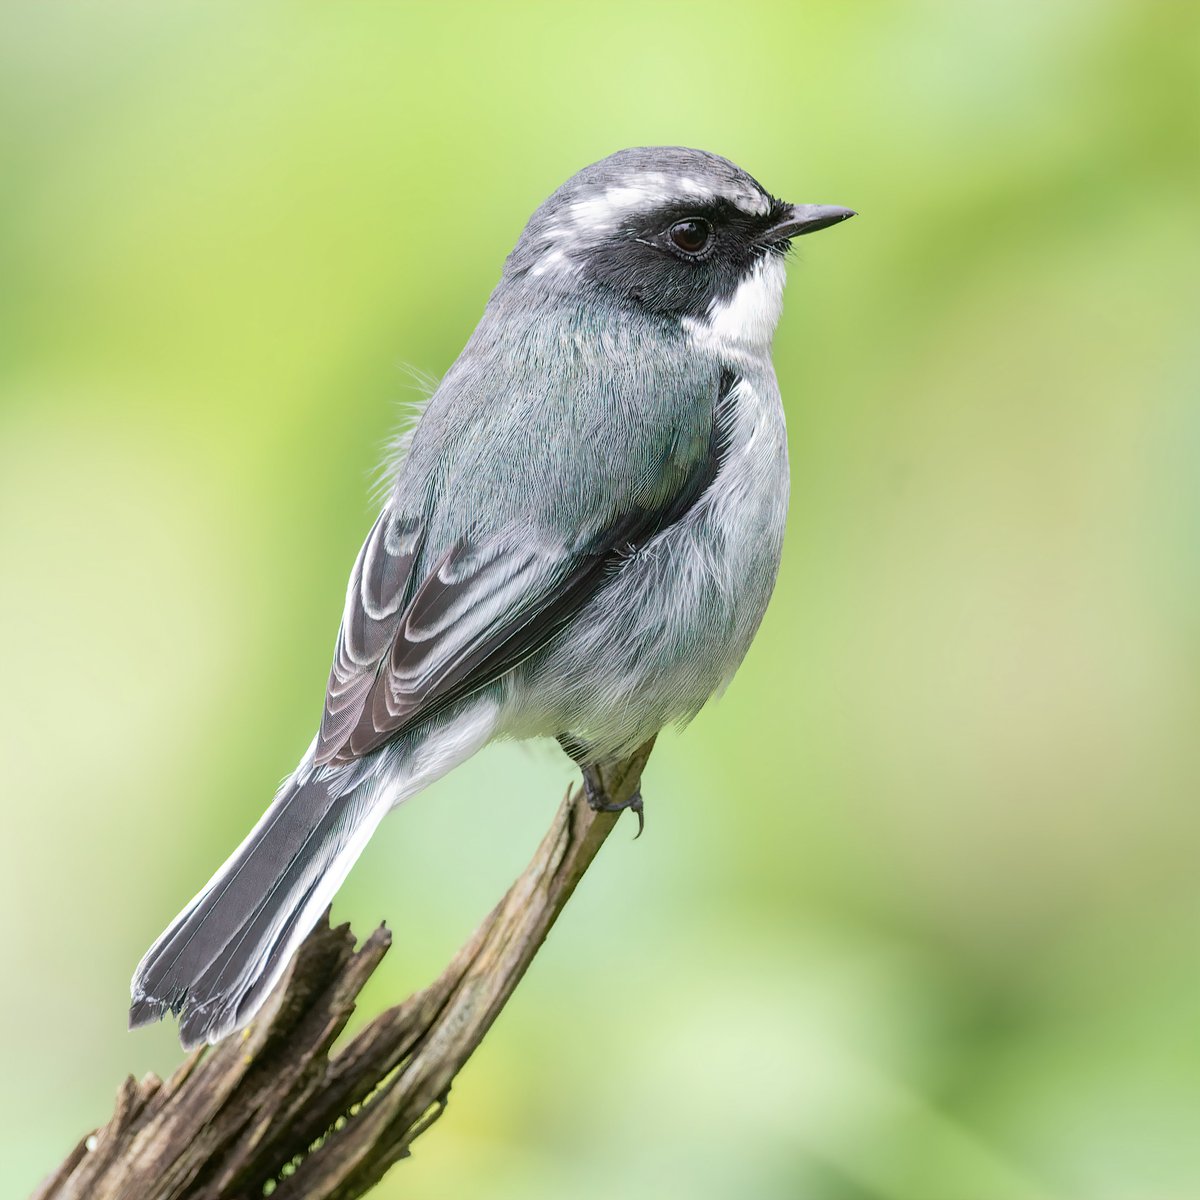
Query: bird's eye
690,236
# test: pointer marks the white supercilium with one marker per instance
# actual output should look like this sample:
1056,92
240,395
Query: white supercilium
605,210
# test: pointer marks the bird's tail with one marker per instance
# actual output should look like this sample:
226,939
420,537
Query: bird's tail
217,961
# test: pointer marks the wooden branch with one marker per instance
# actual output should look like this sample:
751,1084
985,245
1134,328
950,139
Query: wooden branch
270,1112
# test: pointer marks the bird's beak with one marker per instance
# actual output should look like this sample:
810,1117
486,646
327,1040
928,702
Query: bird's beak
807,218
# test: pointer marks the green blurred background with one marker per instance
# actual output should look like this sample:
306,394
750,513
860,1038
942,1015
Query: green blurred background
917,912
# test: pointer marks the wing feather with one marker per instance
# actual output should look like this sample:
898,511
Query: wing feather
374,608
408,646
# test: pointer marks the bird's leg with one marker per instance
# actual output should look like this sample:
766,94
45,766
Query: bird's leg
593,787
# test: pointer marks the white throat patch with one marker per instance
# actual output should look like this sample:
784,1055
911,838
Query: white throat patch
743,325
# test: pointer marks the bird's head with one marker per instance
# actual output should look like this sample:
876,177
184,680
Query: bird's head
673,232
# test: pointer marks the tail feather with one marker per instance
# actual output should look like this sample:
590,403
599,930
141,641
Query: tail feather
218,960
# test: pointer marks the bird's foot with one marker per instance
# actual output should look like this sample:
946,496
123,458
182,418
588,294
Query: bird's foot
595,794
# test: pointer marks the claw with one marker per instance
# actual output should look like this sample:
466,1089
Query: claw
594,792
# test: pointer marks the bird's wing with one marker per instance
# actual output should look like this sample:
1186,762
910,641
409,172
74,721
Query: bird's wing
410,644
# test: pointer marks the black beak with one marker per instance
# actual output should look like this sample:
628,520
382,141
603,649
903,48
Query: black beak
807,218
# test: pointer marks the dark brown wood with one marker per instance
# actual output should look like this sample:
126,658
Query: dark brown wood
273,1111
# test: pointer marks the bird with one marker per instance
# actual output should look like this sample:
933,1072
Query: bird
581,535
